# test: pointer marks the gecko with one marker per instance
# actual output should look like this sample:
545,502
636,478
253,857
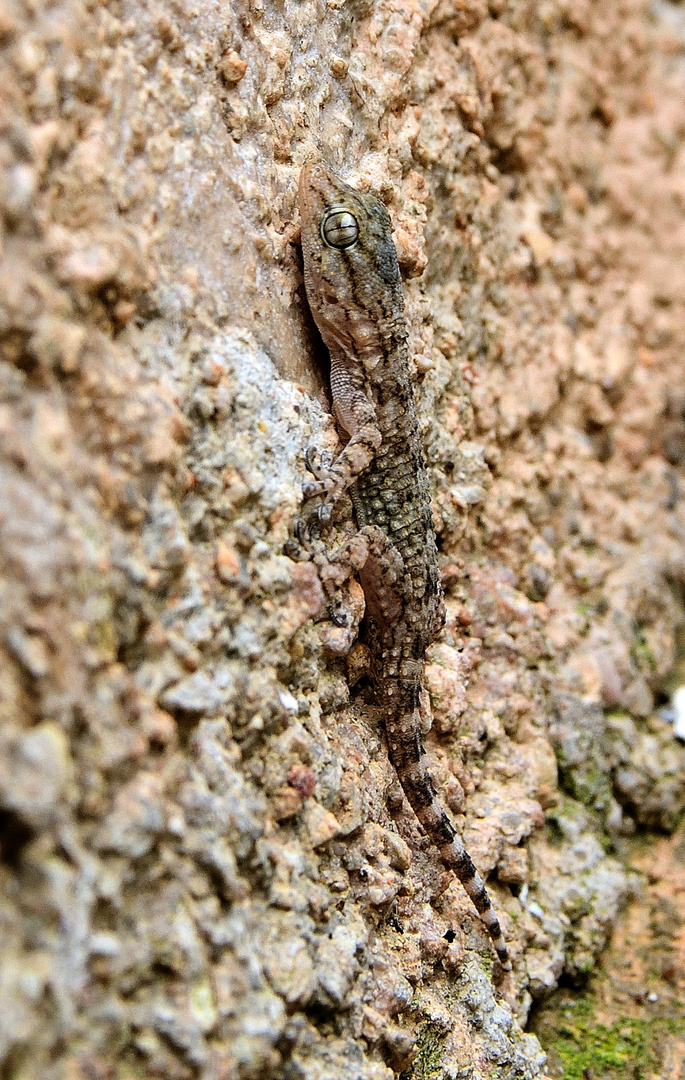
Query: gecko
354,290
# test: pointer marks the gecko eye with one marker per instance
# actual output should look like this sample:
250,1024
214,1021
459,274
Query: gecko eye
339,228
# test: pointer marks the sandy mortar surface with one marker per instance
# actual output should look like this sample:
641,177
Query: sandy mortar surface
207,869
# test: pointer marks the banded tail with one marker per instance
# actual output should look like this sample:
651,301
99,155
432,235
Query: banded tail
406,755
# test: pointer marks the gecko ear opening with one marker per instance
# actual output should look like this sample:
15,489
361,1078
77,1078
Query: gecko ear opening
339,228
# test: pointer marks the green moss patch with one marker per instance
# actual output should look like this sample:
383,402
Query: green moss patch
579,1048
430,1041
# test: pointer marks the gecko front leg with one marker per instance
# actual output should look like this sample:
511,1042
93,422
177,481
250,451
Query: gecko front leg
356,415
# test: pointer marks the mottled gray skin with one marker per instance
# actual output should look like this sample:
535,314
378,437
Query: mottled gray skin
355,294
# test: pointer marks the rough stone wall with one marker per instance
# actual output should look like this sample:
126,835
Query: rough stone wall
207,869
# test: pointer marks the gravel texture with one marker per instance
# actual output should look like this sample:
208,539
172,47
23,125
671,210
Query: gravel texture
207,868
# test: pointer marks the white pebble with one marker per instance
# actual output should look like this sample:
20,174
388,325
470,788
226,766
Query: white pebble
104,944
679,710
288,701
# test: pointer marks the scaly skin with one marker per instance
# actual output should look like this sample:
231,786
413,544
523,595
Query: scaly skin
355,295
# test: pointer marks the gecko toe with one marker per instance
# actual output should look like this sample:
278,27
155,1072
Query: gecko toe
311,488
338,615
318,461
301,531
306,528
310,459
294,549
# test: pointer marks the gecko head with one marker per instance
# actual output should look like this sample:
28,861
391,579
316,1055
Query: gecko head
350,263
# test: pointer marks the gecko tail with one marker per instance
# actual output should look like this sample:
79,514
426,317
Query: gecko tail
406,753
458,859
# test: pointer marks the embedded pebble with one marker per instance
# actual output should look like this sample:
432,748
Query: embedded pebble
679,712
